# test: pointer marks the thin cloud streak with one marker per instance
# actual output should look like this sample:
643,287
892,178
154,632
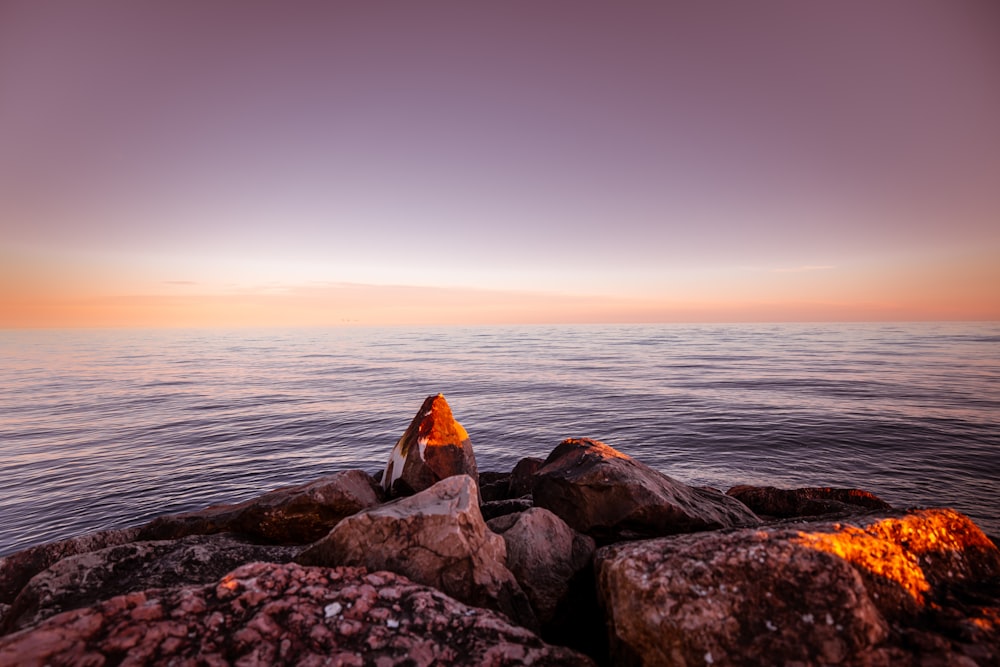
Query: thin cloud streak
803,269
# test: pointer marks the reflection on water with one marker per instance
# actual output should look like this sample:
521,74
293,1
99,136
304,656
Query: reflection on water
110,428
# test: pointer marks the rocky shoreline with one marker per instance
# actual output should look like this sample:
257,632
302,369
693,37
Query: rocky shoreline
586,557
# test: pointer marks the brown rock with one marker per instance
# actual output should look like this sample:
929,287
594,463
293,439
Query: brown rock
436,537
610,496
786,503
87,578
434,447
289,515
544,554
522,477
494,486
266,614
895,589
496,508
18,568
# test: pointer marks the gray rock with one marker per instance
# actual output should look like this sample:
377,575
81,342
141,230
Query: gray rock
87,578
544,554
891,589
18,568
437,538
289,515
610,496
267,614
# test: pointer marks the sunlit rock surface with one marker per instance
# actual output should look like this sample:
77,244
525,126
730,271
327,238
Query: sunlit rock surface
289,515
83,579
437,537
610,496
268,614
434,447
812,501
896,589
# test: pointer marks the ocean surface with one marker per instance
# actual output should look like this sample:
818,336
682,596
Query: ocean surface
110,428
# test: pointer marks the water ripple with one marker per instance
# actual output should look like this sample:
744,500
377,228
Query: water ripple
104,429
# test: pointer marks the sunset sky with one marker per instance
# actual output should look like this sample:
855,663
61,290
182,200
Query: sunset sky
321,163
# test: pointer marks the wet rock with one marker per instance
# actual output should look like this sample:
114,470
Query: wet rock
785,503
890,589
544,554
438,538
290,515
494,486
266,614
18,568
610,496
84,579
522,477
434,447
496,508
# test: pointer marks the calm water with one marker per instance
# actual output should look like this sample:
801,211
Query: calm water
104,429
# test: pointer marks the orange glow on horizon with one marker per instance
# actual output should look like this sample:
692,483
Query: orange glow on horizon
54,293
389,306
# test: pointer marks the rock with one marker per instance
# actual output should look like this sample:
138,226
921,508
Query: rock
544,554
266,614
18,568
785,503
437,538
289,515
494,486
434,447
522,477
496,508
553,564
919,588
87,578
610,496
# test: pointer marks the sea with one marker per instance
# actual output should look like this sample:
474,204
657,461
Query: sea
111,428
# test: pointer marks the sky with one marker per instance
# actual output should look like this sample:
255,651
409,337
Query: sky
237,163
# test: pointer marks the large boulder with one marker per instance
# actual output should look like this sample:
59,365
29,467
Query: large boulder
610,496
434,447
289,515
544,554
811,501
267,614
437,538
890,589
18,568
87,578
